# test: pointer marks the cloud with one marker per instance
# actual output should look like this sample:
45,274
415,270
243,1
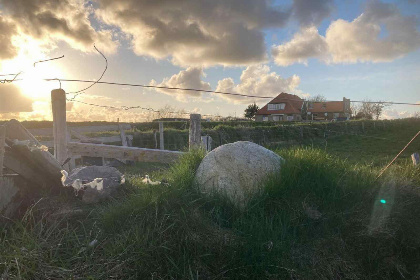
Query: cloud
380,34
395,114
257,80
7,31
189,78
312,12
196,32
51,21
305,44
12,100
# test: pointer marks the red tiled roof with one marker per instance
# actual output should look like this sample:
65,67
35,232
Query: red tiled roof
330,107
293,105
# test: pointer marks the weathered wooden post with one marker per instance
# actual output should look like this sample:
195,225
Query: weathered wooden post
122,134
58,101
154,134
415,157
195,131
206,142
162,144
72,162
363,127
2,144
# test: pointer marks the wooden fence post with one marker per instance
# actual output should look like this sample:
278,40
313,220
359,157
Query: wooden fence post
154,134
58,101
162,143
363,127
2,144
72,162
416,159
122,134
206,142
195,131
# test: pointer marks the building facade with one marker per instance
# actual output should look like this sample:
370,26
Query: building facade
290,107
331,110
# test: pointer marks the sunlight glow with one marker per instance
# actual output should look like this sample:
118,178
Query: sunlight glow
32,84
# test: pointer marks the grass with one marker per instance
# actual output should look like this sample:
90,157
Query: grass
378,147
321,217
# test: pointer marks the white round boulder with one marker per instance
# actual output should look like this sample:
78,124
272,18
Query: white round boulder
237,170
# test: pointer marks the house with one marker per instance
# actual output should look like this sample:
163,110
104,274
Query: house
285,107
330,110
290,107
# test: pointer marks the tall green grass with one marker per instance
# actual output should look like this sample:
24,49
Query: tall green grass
319,218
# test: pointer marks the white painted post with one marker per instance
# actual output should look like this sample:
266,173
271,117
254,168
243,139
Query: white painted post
2,144
58,101
195,131
162,143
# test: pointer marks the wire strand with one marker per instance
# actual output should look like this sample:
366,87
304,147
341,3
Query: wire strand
10,81
126,108
106,67
392,161
164,87
40,61
225,93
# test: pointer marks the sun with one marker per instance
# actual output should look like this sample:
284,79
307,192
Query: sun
31,78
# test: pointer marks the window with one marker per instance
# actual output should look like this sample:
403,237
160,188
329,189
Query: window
276,118
265,119
279,106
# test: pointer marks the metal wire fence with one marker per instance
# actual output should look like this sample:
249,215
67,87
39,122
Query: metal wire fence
146,135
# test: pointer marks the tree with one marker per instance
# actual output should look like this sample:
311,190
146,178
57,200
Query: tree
306,104
369,110
317,98
251,110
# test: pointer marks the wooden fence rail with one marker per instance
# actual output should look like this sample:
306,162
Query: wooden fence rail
80,129
121,152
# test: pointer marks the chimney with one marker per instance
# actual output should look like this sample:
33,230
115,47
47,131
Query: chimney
346,103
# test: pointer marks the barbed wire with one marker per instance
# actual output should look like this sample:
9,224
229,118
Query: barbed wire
204,90
12,80
20,72
165,87
227,93
126,108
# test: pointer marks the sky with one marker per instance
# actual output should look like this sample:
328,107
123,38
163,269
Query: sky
362,50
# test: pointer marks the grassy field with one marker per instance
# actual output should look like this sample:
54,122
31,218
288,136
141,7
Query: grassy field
324,216
377,147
